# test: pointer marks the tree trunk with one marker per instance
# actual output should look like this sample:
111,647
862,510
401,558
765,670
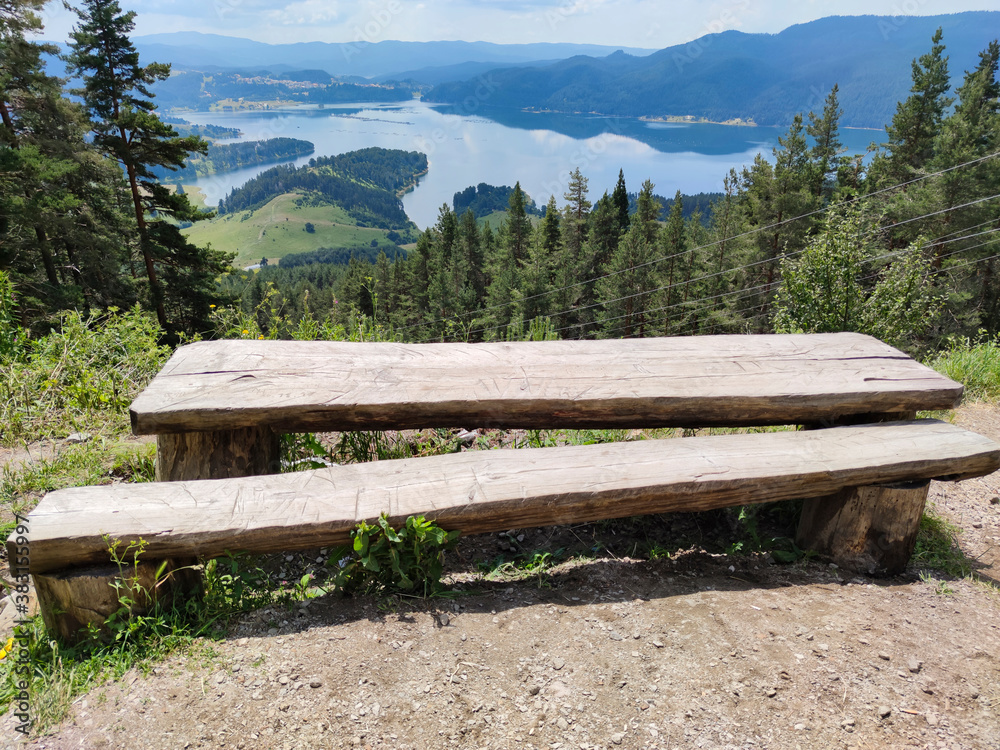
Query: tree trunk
243,452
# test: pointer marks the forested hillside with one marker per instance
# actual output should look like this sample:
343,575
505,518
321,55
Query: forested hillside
228,156
765,78
195,89
902,245
367,183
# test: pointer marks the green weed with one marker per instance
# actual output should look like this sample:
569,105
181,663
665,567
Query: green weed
383,560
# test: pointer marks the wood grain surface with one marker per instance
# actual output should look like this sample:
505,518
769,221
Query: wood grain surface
481,491
298,386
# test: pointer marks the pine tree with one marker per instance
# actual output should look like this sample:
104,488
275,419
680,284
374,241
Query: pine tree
538,272
471,250
673,247
624,291
518,225
971,132
647,214
117,96
825,152
620,200
917,119
57,195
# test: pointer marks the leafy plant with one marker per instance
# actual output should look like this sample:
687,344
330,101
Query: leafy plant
235,583
382,559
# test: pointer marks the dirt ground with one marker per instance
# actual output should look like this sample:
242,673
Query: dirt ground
612,651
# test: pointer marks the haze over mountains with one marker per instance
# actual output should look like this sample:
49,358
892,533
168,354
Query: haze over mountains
369,59
766,78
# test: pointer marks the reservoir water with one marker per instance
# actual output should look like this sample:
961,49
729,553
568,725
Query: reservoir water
502,147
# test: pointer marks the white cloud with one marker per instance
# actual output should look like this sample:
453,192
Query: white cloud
636,23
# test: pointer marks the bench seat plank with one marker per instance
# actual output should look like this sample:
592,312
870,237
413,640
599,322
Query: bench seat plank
481,491
299,386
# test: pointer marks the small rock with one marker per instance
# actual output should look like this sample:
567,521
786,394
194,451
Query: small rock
932,719
78,437
534,690
617,738
884,656
562,723
283,680
315,683
558,663
257,695
771,692
977,525
657,644
443,619
800,727
847,722
995,500
884,711
616,636
914,665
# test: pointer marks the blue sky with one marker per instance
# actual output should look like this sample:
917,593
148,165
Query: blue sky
633,23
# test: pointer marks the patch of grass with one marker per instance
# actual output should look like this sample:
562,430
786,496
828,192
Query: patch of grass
937,548
279,228
99,461
536,564
974,363
137,639
79,378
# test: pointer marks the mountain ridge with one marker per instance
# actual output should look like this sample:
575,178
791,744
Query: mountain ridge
767,78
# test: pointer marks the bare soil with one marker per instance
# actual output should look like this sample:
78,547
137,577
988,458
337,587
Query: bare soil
605,650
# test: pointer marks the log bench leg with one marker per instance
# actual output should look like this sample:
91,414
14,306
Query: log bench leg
865,529
72,599
224,454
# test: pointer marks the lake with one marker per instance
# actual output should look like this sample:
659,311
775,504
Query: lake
539,150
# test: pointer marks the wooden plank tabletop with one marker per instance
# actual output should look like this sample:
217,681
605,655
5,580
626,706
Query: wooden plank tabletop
480,491
298,386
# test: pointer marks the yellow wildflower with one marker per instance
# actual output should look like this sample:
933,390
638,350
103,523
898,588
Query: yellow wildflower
7,649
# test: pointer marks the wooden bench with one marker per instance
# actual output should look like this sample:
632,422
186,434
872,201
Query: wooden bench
217,407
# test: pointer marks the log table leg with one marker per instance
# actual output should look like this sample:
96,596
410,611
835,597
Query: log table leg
225,454
70,600
865,529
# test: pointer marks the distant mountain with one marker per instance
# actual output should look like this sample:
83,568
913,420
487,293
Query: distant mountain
767,78
190,50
